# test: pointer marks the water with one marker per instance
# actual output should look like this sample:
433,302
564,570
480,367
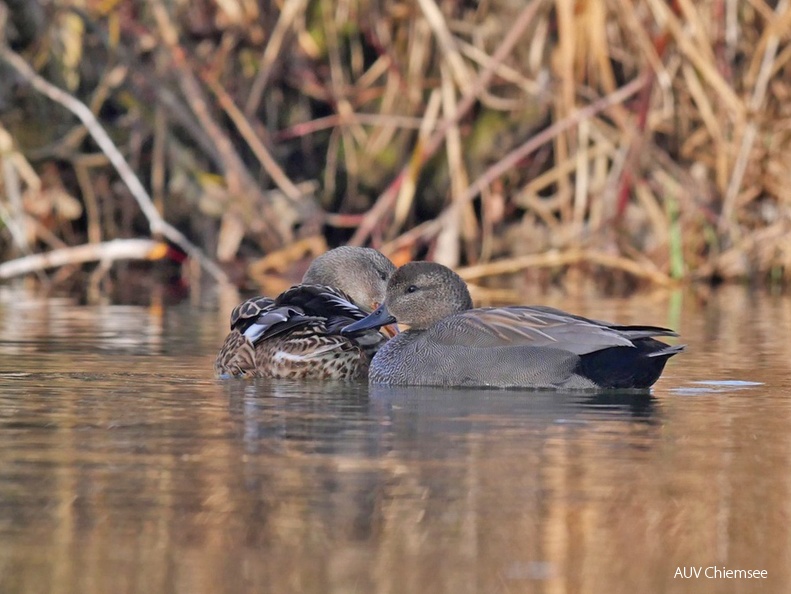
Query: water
125,468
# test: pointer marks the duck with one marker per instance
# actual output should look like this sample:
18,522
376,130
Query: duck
296,335
450,343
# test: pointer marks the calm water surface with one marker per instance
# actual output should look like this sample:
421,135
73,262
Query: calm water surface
125,468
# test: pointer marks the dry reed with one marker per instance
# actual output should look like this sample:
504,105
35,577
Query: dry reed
640,137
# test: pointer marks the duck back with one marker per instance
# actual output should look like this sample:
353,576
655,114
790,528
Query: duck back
524,347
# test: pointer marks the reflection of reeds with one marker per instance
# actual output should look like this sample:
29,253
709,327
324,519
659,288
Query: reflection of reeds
648,134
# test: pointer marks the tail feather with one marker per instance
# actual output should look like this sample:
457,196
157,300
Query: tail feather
668,351
637,332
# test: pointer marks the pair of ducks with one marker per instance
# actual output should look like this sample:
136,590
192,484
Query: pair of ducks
325,328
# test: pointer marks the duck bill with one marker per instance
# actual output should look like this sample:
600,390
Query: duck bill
391,330
376,319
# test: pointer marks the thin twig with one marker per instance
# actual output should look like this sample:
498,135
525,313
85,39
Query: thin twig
265,158
447,247
553,259
331,121
446,42
288,14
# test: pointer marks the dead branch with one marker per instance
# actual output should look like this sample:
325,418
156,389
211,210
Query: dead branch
553,259
108,251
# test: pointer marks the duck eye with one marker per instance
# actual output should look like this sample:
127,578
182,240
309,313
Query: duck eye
411,289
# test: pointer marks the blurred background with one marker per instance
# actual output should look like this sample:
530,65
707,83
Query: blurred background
614,143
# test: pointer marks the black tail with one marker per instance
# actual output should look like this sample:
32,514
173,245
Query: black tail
620,368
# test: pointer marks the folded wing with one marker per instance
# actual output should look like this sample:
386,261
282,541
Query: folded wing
538,327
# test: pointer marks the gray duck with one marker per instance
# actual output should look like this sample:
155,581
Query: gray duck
449,343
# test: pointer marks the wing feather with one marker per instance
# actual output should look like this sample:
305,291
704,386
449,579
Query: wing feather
534,326
309,308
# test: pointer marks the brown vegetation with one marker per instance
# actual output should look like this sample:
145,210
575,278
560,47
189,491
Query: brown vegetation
647,138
